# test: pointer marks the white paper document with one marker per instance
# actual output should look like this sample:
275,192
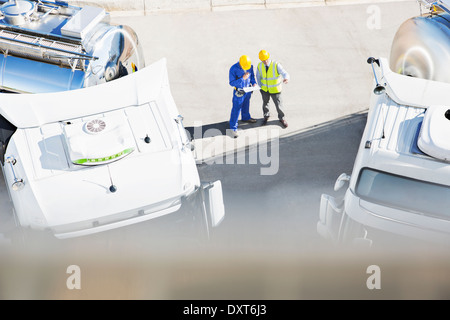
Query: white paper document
250,89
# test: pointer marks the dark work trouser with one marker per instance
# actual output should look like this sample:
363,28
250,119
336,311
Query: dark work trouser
276,98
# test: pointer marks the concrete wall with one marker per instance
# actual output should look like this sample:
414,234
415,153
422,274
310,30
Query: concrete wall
151,6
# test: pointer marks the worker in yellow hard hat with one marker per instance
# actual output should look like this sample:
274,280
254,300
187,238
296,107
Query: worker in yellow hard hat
241,76
270,76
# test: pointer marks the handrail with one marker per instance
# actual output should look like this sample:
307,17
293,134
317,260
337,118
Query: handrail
18,183
40,46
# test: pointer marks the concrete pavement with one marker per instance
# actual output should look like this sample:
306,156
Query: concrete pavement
324,48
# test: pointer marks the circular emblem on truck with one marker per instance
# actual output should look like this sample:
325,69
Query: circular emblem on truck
95,126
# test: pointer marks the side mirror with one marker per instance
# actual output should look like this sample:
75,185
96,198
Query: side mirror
341,181
214,204
330,217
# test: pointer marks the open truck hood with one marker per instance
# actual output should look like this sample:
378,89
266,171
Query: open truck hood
100,154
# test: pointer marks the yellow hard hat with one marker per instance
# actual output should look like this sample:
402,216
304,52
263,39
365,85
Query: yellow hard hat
263,55
245,62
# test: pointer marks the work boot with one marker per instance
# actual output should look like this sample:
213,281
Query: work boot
251,120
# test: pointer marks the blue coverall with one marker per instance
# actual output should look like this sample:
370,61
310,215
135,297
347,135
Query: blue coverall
240,104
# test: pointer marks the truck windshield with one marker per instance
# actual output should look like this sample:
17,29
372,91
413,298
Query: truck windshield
404,193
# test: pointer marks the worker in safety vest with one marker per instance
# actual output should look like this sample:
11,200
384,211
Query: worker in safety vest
241,76
270,76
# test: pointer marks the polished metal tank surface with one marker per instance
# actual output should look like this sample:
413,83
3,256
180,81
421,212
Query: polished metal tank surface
421,47
53,46
18,12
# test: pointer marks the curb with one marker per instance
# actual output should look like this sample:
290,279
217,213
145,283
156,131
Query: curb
143,7
242,148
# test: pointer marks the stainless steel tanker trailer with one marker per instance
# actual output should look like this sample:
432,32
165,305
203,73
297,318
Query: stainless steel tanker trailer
52,46
90,137
421,45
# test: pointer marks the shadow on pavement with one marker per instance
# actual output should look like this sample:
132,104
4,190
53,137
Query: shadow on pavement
282,208
222,128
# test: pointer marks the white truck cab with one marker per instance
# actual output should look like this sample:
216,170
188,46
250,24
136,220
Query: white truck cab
399,188
90,137
88,160
400,183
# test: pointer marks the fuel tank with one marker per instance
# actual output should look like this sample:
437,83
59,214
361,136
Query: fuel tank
421,47
53,46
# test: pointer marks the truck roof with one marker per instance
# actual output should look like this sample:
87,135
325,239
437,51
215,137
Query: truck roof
394,127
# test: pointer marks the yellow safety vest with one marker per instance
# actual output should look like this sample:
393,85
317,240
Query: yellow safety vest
270,80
